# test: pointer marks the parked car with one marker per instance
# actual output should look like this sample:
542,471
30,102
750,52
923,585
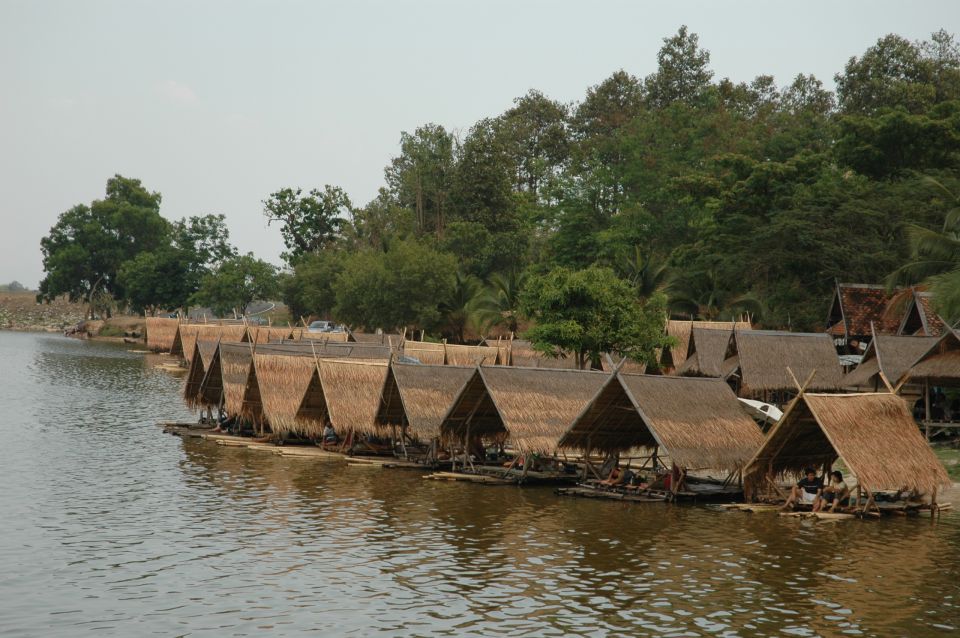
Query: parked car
324,326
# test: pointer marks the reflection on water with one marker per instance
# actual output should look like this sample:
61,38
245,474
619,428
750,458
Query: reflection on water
110,527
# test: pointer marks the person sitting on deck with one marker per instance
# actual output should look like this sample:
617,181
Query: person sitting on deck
833,494
329,435
617,477
806,491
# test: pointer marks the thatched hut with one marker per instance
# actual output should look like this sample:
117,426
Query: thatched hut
712,353
344,393
531,407
283,378
266,334
890,356
200,362
682,332
873,434
766,359
376,338
161,332
236,370
415,398
461,355
696,422
935,374
332,337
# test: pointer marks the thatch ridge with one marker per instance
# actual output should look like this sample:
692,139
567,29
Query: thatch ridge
765,355
697,422
894,355
941,362
419,396
236,363
710,348
203,356
682,331
161,332
874,435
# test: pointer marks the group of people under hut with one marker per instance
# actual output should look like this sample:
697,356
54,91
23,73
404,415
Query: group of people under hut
811,491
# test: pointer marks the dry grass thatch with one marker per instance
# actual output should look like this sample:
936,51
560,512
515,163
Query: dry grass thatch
522,355
161,332
283,380
425,352
332,337
609,363
682,331
873,434
532,406
188,334
697,422
765,355
347,393
266,334
459,355
236,364
418,397
940,364
892,355
711,354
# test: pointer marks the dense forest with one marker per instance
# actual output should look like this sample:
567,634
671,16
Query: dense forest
675,193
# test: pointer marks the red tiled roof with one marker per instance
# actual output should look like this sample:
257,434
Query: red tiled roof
863,304
933,321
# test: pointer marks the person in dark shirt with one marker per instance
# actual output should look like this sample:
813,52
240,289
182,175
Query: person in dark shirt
806,491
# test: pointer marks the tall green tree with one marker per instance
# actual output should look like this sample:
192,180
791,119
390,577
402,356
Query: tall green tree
308,223
589,312
236,283
420,177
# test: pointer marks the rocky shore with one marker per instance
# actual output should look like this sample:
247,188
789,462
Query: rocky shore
20,311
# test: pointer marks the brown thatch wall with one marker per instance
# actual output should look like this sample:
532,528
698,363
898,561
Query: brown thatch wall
537,405
522,355
420,396
161,332
266,334
425,352
764,357
874,434
332,337
352,390
283,380
697,422
199,365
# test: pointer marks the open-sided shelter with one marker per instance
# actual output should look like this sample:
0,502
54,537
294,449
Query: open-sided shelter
872,433
696,422
416,397
200,363
161,332
936,377
766,358
344,393
529,407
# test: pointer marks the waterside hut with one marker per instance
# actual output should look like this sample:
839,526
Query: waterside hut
873,434
188,333
415,399
696,423
200,362
936,376
712,353
527,409
682,332
889,357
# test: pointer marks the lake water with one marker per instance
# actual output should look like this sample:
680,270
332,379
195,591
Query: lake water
110,527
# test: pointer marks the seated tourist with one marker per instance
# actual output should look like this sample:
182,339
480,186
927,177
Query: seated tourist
616,477
806,491
834,494
329,435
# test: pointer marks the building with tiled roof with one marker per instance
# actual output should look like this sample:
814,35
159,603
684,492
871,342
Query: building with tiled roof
854,308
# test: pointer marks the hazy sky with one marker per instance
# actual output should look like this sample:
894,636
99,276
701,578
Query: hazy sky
218,104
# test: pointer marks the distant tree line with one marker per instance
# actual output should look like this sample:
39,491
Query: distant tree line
674,193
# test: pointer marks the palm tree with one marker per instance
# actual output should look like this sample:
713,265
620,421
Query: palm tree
462,311
645,273
500,302
935,260
704,299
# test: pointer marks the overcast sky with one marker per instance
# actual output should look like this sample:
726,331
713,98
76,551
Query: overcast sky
218,104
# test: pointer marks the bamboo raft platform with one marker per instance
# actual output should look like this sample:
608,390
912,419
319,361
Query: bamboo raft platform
469,478
614,495
383,463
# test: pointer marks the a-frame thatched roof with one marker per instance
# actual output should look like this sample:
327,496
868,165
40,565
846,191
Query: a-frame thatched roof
765,355
890,354
697,422
266,334
712,353
873,434
345,392
236,364
682,331
940,364
417,397
920,317
283,378
203,357
425,352
531,406
188,333
522,355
